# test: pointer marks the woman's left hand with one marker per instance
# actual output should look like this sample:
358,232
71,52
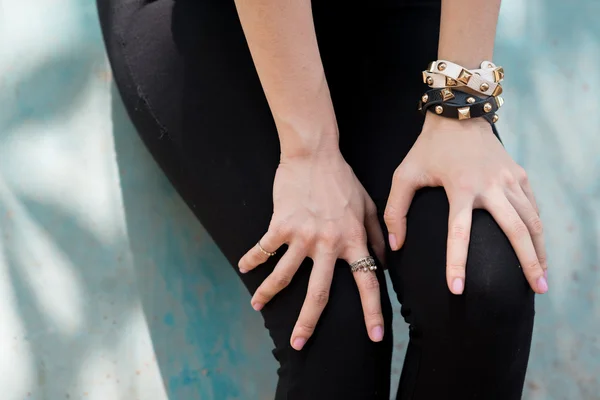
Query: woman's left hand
468,160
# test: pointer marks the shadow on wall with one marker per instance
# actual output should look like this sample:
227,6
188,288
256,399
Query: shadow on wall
208,342
547,48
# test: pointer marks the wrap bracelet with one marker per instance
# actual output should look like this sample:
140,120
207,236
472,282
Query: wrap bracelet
442,73
460,105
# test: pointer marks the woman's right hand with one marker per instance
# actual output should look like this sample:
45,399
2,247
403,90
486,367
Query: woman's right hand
321,211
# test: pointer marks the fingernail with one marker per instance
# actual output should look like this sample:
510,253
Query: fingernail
243,271
257,306
298,343
377,333
457,286
542,284
393,241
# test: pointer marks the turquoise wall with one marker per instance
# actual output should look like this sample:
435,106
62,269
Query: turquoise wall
109,289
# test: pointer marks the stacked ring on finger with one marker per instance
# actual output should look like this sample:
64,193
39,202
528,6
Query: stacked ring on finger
460,105
365,264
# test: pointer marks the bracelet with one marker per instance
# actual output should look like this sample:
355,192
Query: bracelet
485,81
460,105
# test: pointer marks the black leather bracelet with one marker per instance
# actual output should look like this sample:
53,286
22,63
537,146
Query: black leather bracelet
460,105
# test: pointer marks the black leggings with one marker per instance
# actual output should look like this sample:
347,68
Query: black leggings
186,76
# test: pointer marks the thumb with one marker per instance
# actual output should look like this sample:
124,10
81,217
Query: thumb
403,190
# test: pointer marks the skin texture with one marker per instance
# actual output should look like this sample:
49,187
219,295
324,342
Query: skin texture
322,211
468,161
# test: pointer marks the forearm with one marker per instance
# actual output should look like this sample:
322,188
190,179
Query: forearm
282,40
468,30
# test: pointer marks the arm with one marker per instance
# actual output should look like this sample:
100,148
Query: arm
467,31
320,209
470,163
283,44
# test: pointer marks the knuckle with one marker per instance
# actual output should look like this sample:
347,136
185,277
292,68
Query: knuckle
519,229
401,174
374,314
521,175
390,215
261,295
282,280
320,297
465,183
459,232
283,229
306,236
306,326
532,266
535,226
329,237
456,269
508,178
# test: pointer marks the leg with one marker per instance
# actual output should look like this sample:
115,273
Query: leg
473,346
189,84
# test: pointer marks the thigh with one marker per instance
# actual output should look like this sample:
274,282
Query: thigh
188,81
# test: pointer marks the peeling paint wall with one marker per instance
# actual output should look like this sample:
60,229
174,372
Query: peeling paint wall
110,290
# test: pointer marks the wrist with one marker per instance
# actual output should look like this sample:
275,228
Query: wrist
436,122
308,142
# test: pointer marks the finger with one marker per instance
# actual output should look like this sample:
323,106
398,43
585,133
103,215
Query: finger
271,241
459,233
515,229
528,213
317,297
529,193
280,278
370,297
401,195
374,232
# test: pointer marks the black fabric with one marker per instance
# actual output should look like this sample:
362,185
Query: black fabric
186,76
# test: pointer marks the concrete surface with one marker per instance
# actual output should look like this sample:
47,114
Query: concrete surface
110,290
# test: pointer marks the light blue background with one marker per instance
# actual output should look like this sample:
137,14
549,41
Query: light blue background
109,289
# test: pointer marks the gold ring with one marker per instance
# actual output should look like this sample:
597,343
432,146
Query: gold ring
365,264
267,253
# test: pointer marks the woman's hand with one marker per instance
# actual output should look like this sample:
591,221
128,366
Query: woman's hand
322,212
476,172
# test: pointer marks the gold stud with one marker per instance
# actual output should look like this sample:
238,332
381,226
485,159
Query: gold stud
490,65
495,118
424,98
446,94
441,66
498,74
450,81
499,101
487,107
439,109
431,66
424,76
471,100
484,87
464,77
429,80
464,113
497,91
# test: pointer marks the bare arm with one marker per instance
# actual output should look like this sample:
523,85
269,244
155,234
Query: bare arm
320,209
468,30
282,40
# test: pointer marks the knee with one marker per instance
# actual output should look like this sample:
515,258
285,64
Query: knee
495,289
